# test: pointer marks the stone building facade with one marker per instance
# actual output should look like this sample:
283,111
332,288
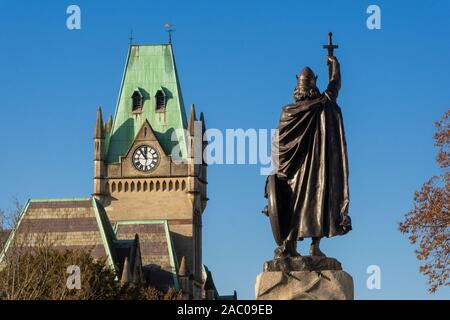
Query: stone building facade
145,214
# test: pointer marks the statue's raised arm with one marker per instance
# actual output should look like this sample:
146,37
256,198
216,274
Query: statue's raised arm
334,84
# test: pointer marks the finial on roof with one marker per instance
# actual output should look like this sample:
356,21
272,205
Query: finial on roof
192,119
136,241
202,119
131,37
183,271
110,122
99,133
125,273
204,137
169,29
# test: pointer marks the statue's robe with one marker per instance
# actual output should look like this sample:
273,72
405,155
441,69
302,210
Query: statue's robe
312,177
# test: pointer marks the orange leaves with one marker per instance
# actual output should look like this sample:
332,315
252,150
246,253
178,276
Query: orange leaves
442,140
428,223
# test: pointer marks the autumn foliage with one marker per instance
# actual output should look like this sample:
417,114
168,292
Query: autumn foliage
40,273
428,223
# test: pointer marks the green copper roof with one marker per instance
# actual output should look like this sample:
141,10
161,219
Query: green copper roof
149,68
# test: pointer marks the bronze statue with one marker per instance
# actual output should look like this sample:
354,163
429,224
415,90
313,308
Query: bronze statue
308,197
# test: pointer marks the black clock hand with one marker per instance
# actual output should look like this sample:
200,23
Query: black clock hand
145,153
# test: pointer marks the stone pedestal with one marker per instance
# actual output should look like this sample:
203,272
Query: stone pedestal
304,278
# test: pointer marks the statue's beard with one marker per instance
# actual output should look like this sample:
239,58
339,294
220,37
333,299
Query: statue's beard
302,93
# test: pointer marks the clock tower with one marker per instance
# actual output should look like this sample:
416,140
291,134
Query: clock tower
144,170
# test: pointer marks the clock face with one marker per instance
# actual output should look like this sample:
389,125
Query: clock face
145,158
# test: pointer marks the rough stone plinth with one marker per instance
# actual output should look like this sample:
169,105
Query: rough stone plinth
304,278
302,263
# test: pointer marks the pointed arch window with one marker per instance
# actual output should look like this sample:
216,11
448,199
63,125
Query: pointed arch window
136,101
161,100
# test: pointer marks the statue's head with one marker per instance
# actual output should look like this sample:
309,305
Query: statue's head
306,88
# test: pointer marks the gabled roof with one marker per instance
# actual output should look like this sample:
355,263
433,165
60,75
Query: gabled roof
149,68
65,224
157,252
145,132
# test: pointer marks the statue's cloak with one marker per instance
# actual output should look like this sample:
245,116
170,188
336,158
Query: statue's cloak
312,178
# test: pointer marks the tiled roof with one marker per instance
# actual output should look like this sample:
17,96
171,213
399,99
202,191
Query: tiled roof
82,224
157,253
66,224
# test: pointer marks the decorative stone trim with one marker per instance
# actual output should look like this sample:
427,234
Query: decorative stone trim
146,185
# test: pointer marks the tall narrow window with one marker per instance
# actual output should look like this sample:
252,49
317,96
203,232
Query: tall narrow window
160,100
136,100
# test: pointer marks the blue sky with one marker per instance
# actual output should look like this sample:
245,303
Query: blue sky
237,62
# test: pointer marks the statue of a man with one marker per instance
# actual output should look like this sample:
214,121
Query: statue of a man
308,197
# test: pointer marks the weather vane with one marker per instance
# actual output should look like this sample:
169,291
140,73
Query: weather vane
169,29
131,37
